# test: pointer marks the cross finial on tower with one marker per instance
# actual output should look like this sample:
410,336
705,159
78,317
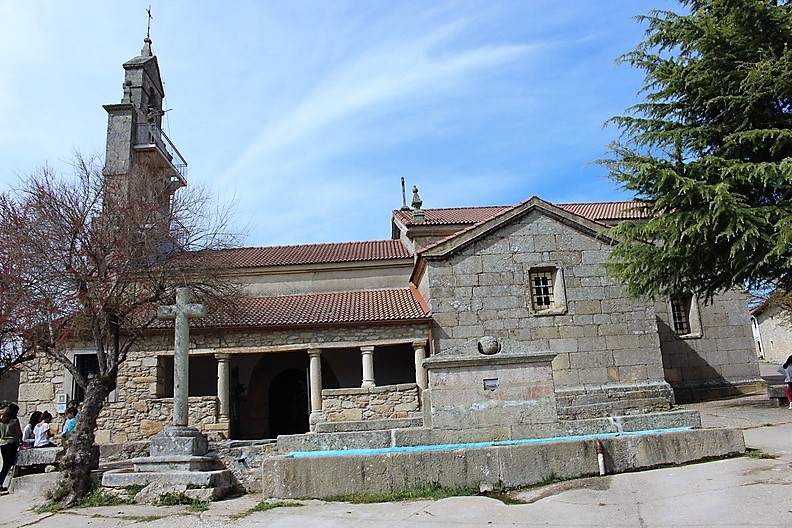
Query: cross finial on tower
146,51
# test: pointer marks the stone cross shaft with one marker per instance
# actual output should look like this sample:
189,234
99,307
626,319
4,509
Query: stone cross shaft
181,312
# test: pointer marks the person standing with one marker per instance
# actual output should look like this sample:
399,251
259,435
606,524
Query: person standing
10,438
786,370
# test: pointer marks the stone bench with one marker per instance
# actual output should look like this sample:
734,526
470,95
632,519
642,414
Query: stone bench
37,459
775,393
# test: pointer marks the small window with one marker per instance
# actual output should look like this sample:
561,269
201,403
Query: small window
542,296
547,291
680,314
685,316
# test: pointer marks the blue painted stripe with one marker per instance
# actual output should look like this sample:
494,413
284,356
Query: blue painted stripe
473,445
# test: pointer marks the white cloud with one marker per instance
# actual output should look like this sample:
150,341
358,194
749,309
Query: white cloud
369,85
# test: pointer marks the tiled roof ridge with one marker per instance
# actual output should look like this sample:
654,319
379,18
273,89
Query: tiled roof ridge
600,202
458,208
329,294
303,254
313,244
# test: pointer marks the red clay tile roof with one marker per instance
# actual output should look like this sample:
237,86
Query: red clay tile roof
607,210
453,215
596,211
369,306
309,254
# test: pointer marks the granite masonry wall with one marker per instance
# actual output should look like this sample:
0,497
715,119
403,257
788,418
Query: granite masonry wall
137,411
717,358
371,403
608,351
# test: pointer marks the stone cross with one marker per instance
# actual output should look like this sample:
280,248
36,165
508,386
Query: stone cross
181,312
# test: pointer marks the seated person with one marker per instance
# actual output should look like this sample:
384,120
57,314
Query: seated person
42,432
27,434
70,423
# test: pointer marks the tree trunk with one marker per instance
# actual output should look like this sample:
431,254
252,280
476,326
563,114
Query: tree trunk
76,465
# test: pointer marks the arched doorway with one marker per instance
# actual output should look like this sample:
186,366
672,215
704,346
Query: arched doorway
288,403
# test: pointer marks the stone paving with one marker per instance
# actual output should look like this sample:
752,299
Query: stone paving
747,491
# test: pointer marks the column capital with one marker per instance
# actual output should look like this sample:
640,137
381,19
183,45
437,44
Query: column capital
314,351
367,348
222,356
419,344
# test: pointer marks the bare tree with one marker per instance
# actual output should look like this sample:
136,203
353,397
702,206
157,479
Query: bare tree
86,261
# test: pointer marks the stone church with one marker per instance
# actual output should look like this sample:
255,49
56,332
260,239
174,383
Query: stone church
475,321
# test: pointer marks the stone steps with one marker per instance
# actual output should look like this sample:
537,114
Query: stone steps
415,436
120,478
369,425
507,466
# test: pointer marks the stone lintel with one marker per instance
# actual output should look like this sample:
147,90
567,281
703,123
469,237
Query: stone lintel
503,358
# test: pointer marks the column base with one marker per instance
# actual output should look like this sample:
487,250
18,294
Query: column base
179,440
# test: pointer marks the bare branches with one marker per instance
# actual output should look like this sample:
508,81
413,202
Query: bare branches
83,259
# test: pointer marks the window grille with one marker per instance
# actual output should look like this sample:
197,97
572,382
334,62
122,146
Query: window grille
542,295
680,315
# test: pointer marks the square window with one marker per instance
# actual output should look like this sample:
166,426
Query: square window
542,289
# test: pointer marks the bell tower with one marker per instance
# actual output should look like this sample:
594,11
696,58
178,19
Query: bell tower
142,165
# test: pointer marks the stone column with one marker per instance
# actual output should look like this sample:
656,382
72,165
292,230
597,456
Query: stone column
421,378
181,313
179,439
315,372
367,354
224,385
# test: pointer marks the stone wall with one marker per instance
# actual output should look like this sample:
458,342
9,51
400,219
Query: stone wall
717,358
39,381
606,343
371,403
138,420
137,411
491,394
776,333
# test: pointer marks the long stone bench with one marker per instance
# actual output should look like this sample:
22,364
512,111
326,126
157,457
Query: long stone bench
37,459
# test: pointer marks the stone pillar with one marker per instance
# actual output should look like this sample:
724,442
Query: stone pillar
180,439
367,354
223,385
421,377
181,313
315,371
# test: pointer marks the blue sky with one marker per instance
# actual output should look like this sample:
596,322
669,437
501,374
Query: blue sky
307,114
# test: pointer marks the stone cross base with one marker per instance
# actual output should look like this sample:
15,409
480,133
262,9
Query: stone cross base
178,440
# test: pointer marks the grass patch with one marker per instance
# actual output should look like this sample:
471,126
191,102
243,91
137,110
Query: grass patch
143,518
134,489
265,506
757,453
180,499
50,507
100,497
504,496
427,491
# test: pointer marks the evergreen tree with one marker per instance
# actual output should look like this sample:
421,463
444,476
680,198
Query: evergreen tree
709,151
